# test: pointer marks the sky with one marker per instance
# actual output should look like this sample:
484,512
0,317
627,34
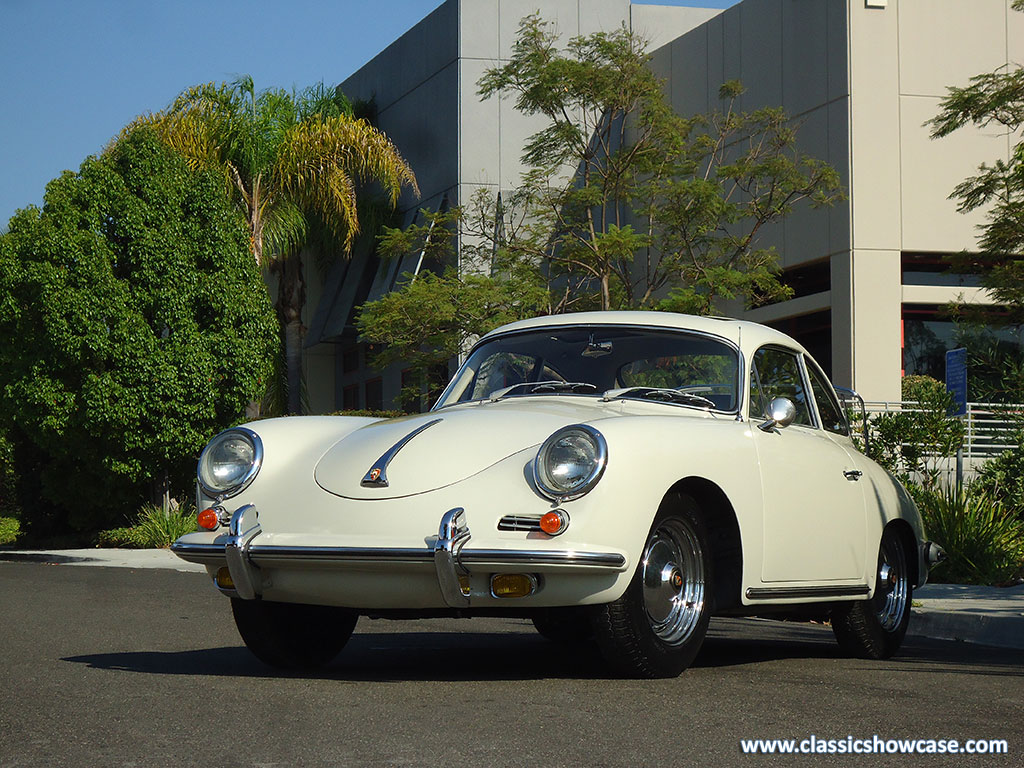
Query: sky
74,72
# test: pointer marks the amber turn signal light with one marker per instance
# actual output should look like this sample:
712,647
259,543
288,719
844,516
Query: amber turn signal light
553,523
224,580
513,585
208,519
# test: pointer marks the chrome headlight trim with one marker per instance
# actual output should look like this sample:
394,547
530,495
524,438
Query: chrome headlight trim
541,476
257,461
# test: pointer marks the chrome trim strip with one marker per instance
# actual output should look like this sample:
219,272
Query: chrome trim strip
377,475
244,527
198,553
269,553
211,553
519,523
774,593
542,557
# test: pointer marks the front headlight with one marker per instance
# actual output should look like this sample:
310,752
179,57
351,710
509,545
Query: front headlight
570,462
230,462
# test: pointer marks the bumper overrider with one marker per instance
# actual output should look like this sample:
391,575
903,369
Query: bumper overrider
453,560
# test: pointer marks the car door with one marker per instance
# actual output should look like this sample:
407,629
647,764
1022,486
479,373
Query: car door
814,514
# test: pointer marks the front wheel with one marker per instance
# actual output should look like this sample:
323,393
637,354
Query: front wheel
875,628
292,635
658,625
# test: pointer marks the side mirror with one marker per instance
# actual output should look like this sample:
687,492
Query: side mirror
781,413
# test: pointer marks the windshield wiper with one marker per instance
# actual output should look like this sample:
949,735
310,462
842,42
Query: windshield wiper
544,386
659,393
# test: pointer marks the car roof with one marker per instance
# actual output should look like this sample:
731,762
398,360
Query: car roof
743,333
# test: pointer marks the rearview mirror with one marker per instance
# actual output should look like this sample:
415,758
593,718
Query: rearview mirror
781,413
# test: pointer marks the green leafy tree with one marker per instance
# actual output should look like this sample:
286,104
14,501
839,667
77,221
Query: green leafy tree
993,99
135,325
294,163
625,205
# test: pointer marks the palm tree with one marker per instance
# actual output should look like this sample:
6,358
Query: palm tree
293,162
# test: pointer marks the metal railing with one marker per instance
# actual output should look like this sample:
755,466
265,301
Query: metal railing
989,428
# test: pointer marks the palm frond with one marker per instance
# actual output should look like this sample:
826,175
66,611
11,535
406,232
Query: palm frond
322,160
285,228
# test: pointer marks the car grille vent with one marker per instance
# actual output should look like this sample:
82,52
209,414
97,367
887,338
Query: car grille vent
519,523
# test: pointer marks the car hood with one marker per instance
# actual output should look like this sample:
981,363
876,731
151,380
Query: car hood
451,444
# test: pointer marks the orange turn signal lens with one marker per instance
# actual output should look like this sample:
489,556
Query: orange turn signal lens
553,523
208,519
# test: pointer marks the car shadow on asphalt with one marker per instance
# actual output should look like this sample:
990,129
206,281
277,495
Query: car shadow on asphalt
391,655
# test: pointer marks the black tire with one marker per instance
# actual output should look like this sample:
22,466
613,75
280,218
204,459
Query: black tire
292,635
571,626
875,628
658,625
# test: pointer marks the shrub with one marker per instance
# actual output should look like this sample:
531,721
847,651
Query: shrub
151,528
9,530
984,541
142,326
1003,477
904,441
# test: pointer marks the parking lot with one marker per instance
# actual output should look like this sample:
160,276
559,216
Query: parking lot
104,666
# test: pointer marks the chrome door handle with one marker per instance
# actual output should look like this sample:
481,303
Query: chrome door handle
853,474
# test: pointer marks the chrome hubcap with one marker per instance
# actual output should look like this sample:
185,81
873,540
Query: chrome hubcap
893,589
673,581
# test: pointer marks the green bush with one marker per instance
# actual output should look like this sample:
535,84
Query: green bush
151,528
135,325
904,441
984,541
9,530
1003,477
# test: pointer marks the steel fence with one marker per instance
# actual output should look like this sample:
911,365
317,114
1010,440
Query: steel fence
989,428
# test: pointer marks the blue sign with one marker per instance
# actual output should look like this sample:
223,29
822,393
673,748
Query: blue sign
956,380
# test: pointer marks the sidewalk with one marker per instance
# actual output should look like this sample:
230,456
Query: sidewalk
107,558
984,615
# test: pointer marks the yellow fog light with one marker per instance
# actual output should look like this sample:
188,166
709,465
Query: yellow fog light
513,584
223,578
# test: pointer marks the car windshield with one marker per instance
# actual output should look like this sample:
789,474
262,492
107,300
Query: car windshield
624,362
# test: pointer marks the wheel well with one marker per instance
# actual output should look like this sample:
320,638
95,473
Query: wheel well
909,542
723,534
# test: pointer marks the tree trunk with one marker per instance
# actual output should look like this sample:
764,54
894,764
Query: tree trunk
291,298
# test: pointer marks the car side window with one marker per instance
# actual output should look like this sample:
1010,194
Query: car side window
776,373
832,418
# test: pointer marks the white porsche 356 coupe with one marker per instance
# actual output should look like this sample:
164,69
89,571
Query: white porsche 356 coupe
620,476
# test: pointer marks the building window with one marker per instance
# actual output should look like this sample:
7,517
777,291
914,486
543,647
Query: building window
808,279
932,269
813,331
375,394
350,359
928,333
350,398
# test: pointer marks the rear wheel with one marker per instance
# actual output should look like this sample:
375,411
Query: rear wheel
658,625
875,628
292,635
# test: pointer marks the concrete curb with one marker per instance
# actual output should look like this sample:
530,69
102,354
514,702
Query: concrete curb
984,615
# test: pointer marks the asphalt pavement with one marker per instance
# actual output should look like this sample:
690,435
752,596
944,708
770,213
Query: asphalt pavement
143,667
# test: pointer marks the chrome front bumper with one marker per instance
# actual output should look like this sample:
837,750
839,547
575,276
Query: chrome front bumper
452,560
